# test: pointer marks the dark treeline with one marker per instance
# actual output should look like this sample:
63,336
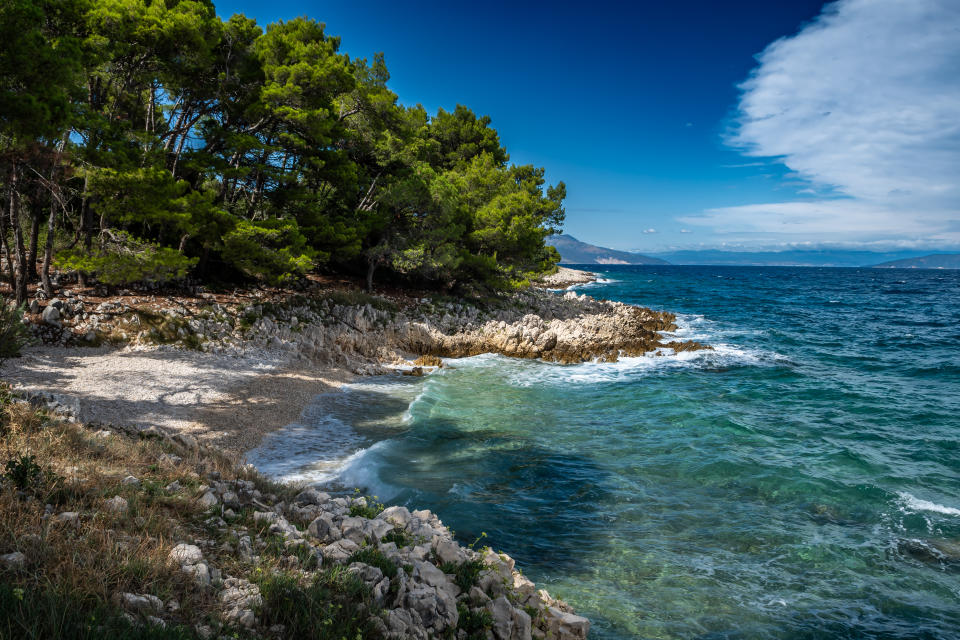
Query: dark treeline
149,139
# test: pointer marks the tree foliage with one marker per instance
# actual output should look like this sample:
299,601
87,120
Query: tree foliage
178,142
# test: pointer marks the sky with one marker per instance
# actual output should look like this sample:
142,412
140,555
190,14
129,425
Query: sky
696,124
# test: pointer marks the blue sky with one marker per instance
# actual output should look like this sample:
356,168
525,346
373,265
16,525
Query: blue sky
684,125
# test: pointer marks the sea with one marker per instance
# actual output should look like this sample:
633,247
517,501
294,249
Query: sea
800,480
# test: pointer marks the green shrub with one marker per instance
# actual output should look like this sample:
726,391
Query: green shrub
333,605
465,574
399,537
124,259
13,333
31,614
374,558
369,511
474,624
23,471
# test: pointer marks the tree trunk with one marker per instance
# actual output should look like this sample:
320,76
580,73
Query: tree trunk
48,249
371,267
32,251
20,272
55,196
5,245
86,226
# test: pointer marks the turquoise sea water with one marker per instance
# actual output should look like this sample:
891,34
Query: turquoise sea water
800,481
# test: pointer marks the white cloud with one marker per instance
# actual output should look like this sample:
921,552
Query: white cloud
685,231
863,101
651,230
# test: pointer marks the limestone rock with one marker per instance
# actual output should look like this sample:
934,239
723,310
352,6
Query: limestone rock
143,603
186,554
566,626
116,504
14,561
51,315
208,500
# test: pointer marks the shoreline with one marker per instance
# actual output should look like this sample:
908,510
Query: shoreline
227,402
257,371
254,369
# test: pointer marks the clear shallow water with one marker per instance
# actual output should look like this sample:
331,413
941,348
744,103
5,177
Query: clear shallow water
802,481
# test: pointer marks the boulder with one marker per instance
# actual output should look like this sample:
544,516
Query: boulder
200,573
502,613
142,603
208,500
186,554
566,626
450,551
13,561
339,551
240,599
436,609
312,496
51,315
324,528
116,504
68,517
397,516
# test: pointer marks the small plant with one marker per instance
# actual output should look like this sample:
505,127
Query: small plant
368,509
374,558
465,574
24,472
474,623
13,333
399,537
332,605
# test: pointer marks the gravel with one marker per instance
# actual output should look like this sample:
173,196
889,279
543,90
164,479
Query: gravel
226,401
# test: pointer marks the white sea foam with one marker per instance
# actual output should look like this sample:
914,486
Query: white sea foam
914,503
361,470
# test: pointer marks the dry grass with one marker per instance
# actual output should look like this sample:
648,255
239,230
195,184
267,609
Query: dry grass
101,552
75,566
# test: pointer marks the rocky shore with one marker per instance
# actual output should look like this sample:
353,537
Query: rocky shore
191,370
228,554
363,332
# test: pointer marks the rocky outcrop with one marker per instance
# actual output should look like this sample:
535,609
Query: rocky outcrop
565,277
423,584
566,328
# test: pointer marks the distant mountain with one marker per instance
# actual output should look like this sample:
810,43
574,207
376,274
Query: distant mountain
933,261
572,251
788,258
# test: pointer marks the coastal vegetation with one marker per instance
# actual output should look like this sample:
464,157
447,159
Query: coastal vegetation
153,140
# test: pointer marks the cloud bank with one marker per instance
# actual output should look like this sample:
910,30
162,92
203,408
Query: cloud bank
864,103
